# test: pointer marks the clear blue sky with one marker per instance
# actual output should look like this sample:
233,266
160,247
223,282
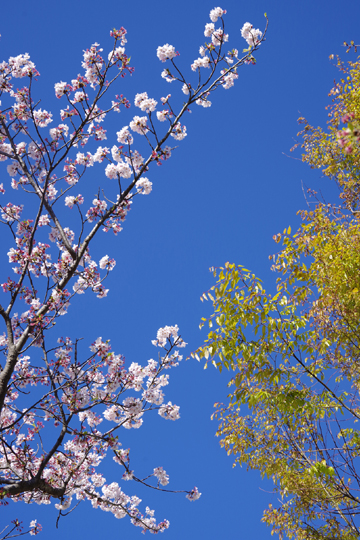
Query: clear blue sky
227,189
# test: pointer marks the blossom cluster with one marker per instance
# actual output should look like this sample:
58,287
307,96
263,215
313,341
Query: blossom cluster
251,34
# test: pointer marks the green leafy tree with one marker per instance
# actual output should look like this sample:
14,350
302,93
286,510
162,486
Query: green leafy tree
294,405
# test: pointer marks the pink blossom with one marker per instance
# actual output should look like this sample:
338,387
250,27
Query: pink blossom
128,475
202,51
5,149
251,35
13,169
34,151
100,154
111,171
79,97
11,212
119,35
107,263
51,192
70,201
44,220
124,136
22,181
169,411
161,475
36,303
178,132
116,153
185,89
72,176
21,148
162,115
35,527
216,13
144,103
135,160
42,118
123,169
164,334
203,101
116,55
66,502
21,66
98,132
79,82
209,29
219,37
168,76
86,160
144,186
68,113
97,210
60,131
193,495
200,62
229,78
166,52
139,125
61,88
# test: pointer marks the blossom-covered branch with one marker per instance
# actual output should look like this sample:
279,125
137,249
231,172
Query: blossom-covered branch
56,388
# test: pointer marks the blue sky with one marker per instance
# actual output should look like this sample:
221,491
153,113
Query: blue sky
229,187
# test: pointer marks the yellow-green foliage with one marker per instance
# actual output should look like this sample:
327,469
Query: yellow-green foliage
322,149
295,356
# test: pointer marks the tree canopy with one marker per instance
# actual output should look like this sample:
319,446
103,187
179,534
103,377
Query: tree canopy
295,355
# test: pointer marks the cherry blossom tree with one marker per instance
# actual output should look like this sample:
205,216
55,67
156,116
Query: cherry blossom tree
62,408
